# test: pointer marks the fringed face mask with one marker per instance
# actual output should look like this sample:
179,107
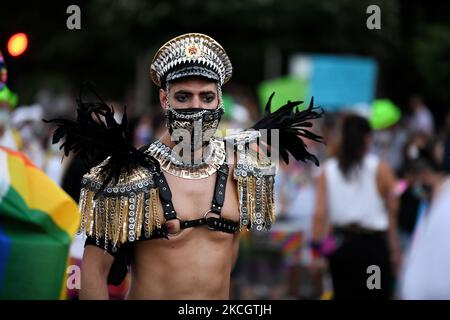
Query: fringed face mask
193,127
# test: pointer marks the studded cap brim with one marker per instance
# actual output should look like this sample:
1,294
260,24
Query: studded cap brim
190,71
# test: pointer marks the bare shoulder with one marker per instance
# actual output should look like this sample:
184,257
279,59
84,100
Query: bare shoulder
385,178
384,170
383,166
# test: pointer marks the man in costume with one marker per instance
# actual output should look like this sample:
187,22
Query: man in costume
184,192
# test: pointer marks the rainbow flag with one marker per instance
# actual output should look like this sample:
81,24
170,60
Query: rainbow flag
37,223
290,243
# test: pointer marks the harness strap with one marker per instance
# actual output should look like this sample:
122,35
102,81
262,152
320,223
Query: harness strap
165,195
219,190
213,223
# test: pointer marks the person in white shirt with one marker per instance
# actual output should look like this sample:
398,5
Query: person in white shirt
356,200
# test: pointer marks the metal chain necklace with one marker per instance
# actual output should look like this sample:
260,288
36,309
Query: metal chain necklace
181,162
174,164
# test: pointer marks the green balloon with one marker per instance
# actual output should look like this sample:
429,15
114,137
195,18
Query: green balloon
8,96
384,114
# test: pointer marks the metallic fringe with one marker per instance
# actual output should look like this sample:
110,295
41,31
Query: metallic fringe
256,202
119,218
255,176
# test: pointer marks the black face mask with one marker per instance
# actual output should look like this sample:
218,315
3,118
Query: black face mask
195,126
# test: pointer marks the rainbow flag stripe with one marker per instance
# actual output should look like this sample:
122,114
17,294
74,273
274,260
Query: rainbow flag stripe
290,243
37,223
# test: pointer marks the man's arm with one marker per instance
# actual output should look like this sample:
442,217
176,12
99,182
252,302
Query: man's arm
94,274
236,242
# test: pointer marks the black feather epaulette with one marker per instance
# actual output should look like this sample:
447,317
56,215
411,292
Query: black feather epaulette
95,135
292,125
119,198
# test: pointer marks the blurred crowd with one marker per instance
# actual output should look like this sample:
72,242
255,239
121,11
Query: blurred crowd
282,264
413,253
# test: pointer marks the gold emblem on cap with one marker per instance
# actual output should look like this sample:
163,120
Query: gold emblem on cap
193,51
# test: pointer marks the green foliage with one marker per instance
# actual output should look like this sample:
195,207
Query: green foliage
431,57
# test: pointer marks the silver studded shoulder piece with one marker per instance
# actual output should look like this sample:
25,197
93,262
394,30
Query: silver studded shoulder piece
255,179
124,211
242,137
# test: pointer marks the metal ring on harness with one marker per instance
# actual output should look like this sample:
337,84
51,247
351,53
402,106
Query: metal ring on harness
206,213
